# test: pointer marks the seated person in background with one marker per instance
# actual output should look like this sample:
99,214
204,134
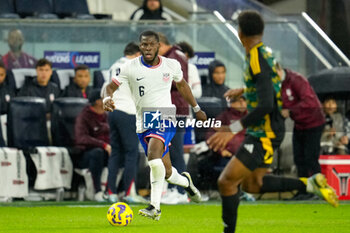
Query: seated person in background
41,86
334,139
219,159
150,10
16,58
216,86
80,85
194,80
6,92
92,137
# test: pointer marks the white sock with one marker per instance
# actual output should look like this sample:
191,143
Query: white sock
176,178
157,180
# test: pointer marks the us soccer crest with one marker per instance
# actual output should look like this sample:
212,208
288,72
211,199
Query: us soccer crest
166,77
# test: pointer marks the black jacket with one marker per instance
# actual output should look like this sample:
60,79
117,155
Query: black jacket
73,90
49,92
212,89
6,93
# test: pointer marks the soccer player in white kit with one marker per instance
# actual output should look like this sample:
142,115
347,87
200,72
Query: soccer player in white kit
149,78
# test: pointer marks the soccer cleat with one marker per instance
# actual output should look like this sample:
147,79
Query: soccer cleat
191,190
318,185
99,197
150,212
113,198
135,199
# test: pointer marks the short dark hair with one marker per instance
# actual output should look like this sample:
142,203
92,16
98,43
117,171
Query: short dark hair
163,38
2,65
43,62
81,67
149,33
251,23
131,49
186,48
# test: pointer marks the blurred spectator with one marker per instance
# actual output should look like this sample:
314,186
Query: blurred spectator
6,92
41,86
334,139
150,10
80,85
216,86
212,164
194,80
15,58
301,103
182,111
124,140
92,137
347,127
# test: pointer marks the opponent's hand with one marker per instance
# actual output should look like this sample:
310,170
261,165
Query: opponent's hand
201,116
226,153
108,149
233,93
108,105
285,113
219,140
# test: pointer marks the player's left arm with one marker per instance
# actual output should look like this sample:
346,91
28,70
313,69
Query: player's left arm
185,91
264,92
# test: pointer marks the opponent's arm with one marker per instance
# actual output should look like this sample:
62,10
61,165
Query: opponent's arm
185,91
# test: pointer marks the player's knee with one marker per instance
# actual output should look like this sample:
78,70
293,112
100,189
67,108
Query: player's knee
225,184
154,153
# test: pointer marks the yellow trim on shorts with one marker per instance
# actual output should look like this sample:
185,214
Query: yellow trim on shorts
266,141
267,145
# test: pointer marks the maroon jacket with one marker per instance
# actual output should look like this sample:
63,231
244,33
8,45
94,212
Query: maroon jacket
24,61
302,102
176,98
226,118
91,129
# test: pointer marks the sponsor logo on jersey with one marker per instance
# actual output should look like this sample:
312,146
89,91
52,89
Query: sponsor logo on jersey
249,147
139,79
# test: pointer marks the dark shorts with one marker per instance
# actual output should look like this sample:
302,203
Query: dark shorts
257,152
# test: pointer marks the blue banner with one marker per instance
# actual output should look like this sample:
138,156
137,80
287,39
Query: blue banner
202,59
69,59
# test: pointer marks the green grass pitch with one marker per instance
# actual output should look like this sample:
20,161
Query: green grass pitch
258,217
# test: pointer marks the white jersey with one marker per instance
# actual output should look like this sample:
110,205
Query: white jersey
150,86
122,97
194,81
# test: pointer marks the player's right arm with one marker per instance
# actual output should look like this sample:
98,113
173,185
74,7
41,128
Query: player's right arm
108,103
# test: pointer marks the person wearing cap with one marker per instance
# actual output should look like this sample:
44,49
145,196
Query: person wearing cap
92,137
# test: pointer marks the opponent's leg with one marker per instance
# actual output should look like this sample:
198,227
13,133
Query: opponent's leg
229,180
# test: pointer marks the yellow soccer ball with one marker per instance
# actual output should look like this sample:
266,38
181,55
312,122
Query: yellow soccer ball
120,214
